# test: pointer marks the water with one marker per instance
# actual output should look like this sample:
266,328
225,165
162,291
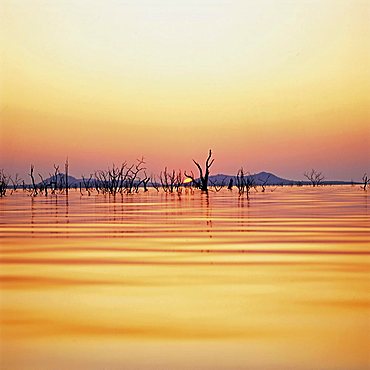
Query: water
156,281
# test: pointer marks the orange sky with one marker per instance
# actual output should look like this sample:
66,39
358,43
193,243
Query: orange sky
268,85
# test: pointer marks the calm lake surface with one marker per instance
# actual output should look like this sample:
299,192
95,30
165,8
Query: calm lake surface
155,281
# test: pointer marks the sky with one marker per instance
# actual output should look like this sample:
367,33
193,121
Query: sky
279,86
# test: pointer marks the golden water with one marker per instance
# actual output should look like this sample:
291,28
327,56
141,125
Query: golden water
155,281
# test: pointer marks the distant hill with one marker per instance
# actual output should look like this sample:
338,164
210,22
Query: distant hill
260,178
61,177
268,178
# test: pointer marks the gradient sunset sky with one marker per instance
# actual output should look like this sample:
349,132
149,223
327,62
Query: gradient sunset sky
281,86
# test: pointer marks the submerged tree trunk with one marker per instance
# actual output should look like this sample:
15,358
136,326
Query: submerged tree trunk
202,184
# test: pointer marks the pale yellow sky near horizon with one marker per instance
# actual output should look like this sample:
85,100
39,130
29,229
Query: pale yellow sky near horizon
268,85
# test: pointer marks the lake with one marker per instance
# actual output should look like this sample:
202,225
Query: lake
158,281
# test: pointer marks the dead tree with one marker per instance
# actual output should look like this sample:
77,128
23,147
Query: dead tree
66,167
244,182
132,176
101,181
202,183
4,181
168,180
15,182
193,181
366,181
154,183
110,181
87,184
145,182
115,178
316,178
218,186
34,187
62,183
142,181
43,186
264,182
230,186
179,182
54,179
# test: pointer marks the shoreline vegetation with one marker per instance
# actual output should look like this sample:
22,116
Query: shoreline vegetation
131,178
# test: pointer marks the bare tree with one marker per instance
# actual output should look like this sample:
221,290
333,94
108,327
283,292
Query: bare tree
112,180
15,182
171,181
154,183
145,182
365,180
244,182
43,186
231,183
179,182
4,181
54,185
66,167
264,182
202,183
87,184
34,187
132,176
142,181
218,186
168,180
316,178
194,182
115,178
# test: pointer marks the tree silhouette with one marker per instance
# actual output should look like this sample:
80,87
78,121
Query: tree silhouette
365,181
314,177
202,183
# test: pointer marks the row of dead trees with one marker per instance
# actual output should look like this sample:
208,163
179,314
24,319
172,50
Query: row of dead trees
56,183
118,179
128,179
